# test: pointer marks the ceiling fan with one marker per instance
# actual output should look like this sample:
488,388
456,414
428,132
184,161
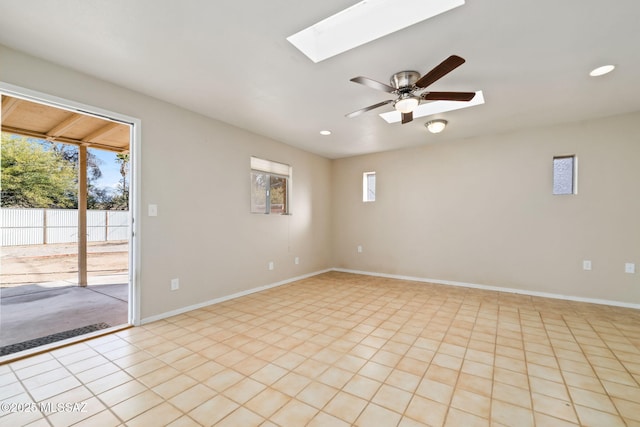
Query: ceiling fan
408,85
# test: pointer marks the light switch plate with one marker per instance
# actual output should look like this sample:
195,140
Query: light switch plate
153,210
629,267
586,265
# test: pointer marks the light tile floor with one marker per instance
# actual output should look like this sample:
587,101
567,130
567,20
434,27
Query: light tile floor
340,349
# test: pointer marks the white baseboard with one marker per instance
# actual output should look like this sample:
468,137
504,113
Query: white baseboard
227,297
390,276
494,288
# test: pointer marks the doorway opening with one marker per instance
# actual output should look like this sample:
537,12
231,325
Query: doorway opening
67,246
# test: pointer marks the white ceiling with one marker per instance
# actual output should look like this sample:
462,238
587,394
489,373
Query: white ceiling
230,60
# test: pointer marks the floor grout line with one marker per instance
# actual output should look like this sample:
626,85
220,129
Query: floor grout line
361,339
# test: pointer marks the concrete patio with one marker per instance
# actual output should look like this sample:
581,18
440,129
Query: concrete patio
33,311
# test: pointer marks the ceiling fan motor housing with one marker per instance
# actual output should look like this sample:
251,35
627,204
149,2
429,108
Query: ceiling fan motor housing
404,79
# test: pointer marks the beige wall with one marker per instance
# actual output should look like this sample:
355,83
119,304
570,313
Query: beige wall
197,171
480,211
476,211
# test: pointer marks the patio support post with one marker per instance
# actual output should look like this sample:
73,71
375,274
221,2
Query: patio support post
82,215
44,226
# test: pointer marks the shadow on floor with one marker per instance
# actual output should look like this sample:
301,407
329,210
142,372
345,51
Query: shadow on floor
32,312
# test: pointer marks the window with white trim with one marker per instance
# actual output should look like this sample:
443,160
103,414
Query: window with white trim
369,187
270,186
564,175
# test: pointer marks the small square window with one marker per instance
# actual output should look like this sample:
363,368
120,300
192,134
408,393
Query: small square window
369,187
564,175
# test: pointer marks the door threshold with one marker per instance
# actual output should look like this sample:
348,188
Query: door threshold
13,357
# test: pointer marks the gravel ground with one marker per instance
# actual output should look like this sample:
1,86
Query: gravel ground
22,265
9,252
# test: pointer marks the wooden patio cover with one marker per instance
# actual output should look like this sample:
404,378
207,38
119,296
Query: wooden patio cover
22,117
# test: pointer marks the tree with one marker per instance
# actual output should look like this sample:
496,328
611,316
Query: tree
121,200
99,198
71,154
34,176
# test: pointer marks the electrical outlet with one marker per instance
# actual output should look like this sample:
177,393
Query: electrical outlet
296,260
271,265
359,249
630,268
175,284
586,265
153,210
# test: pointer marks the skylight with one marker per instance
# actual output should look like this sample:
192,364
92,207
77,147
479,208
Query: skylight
363,22
435,107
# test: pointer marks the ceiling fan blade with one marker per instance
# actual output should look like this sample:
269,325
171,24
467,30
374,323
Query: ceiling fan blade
370,107
407,117
373,84
448,96
441,70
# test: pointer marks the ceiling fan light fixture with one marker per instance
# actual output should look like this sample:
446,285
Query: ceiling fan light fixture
436,126
433,108
407,104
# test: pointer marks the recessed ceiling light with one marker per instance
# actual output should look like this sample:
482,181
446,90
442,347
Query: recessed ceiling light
363,22
600,71
435,107
325,132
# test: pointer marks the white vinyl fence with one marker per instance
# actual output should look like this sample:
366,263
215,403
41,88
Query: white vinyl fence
46,226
